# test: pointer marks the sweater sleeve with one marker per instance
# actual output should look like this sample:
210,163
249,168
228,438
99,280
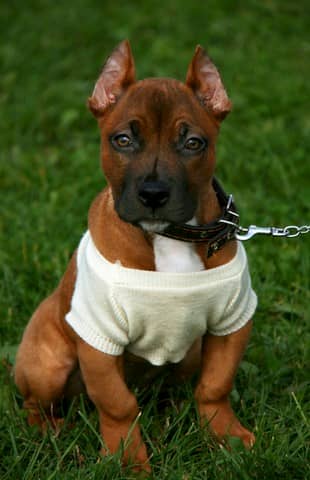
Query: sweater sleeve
94,314
240,305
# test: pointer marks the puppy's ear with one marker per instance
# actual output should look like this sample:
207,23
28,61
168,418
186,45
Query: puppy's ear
117,74
204,79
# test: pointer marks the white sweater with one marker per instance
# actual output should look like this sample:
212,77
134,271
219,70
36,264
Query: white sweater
156,315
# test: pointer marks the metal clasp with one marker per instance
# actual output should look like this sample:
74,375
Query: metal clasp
247,233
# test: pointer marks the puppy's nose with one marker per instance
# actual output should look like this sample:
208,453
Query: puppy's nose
153,193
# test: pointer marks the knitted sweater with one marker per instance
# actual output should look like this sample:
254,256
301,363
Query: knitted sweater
156,315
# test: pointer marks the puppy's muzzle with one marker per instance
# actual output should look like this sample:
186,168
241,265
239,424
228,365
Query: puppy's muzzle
154,194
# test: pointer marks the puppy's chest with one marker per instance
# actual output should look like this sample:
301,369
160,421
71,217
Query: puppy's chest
175,256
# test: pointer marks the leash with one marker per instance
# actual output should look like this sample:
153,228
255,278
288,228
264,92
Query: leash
225,228
291,231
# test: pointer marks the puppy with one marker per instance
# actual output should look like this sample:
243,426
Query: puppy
156,280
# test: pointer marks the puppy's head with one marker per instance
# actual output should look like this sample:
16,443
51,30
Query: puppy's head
158,138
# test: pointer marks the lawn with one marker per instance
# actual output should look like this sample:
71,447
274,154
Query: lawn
50,56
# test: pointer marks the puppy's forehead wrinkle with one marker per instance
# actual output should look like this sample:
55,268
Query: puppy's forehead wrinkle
159,106
155,108
161,96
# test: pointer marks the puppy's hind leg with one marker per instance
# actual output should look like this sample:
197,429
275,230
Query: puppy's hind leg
44,362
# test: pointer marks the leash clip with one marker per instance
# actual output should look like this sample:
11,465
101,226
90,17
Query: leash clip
247,233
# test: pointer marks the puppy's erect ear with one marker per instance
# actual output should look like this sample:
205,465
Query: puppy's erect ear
204,79
117,74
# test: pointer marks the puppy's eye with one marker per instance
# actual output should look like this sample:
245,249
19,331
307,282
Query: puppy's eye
122,141
194,144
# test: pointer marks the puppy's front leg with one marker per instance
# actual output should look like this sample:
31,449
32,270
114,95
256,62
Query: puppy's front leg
117,406
220,360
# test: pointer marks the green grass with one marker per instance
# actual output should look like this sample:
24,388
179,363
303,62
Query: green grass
50,55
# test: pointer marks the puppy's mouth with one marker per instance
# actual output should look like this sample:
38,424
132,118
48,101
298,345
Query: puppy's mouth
160,226
153,226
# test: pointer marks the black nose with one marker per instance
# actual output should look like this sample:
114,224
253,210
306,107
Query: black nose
153,193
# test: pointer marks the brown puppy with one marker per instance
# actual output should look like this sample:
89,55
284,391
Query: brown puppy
158,153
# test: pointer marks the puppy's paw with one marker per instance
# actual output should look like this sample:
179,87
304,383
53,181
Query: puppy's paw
134,459
221,420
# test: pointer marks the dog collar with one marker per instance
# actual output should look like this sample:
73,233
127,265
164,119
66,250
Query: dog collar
215,233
